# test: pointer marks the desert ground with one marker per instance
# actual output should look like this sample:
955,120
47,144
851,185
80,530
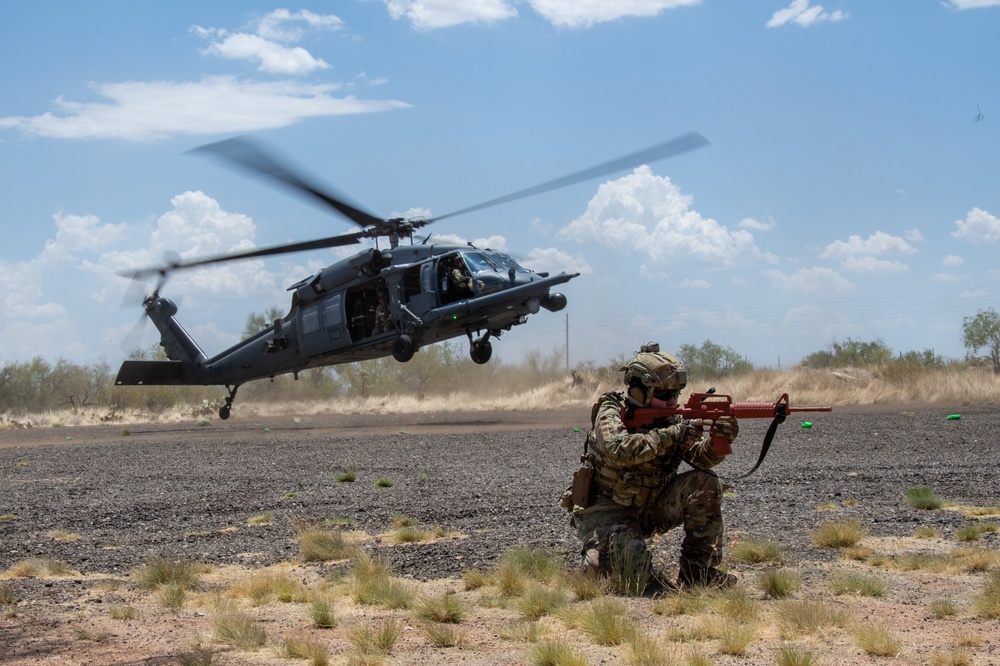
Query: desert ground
105,501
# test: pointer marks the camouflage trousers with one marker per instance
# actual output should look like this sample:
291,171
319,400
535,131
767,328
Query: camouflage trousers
612,532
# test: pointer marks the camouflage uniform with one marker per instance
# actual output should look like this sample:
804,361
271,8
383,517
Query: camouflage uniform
638,492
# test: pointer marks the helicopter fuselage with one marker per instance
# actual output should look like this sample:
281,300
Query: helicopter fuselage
429,293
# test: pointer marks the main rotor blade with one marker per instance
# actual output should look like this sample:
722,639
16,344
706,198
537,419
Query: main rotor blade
332,241
245,153
676,146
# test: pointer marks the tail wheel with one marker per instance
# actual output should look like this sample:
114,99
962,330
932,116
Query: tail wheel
403,348
481,351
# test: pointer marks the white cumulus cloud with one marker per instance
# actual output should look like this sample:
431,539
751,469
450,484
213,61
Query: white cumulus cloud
801,13
863,255
648,216
973,4
432,14
585,13
978,225
269,43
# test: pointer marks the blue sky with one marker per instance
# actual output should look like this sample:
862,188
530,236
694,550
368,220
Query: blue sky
850,188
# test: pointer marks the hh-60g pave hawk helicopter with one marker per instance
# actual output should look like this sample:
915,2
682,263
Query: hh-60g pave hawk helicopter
370,305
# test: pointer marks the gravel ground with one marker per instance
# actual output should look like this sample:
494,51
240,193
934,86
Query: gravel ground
186,491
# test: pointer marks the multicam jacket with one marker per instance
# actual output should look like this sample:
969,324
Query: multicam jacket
632,467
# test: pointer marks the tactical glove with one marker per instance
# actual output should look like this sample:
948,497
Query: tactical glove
728,427
684,435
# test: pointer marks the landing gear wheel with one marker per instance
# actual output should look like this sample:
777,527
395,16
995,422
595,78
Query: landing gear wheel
224,412
481,352
403,348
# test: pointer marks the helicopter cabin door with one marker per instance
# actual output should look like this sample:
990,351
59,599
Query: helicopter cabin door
323,325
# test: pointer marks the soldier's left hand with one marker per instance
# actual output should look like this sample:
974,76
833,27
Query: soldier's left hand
728,427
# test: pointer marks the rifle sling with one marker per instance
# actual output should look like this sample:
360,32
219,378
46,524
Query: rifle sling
765,445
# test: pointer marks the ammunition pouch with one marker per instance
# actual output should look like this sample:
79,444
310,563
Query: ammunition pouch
583,487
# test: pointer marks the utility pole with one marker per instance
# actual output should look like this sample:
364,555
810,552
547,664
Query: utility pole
567,342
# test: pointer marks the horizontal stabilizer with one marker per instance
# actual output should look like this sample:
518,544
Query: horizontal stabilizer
156,373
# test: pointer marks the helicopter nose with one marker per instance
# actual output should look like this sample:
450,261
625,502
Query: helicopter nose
555,302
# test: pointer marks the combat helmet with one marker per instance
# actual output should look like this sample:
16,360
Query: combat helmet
651,370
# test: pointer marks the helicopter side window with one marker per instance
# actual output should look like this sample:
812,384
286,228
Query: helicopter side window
332,313
310,319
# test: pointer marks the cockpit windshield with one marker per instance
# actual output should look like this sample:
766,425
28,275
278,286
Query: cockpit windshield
478,261
509,260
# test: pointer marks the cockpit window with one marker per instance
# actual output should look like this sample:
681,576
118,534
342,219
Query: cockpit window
478,261
510,260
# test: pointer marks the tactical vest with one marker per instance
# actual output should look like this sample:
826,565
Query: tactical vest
634,485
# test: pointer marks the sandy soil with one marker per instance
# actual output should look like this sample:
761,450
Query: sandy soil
104,500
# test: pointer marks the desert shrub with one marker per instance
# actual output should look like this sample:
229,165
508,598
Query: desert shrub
839,533
755,552
157,572
923,497
779,583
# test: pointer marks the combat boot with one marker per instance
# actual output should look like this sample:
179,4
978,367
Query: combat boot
692,575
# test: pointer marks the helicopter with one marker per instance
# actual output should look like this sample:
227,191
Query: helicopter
376,303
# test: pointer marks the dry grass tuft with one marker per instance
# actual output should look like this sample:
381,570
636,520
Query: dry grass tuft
988,601
447,608
779,583
756,552
857,584
321,544
240,630
38,567
839,534
877,640
555,653
158,572
378,640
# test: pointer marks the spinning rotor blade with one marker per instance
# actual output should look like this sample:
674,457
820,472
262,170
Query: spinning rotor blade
332,241
676,146
246,154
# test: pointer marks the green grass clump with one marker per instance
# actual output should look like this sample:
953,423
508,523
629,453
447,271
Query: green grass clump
384,483
857,584
988,601
171,595
375,641
923,498
606,621
261,519
347,476
877,640
942,608
792,655
240,630
555,653
319,544
755,552
321,612
158,572
839,534
444,609
411,535
735,637
7,597
372,585
779,583
975,532
538,599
